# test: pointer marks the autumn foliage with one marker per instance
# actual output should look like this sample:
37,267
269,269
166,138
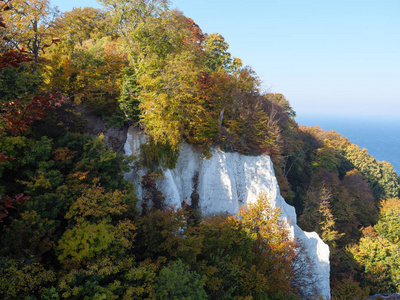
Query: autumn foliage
73,228
8,202
16,117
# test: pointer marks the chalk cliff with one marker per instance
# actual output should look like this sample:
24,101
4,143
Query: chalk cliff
227,181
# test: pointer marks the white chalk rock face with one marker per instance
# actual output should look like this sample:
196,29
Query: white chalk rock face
224,183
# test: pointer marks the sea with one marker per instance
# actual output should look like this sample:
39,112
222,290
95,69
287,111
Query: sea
380,135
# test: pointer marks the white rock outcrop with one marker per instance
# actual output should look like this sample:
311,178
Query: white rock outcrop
224,183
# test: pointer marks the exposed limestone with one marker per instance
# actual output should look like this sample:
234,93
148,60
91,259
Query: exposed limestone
224,183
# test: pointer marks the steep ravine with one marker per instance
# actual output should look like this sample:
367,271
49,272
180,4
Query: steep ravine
224,183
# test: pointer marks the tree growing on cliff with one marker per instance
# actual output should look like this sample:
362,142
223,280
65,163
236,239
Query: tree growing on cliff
252,253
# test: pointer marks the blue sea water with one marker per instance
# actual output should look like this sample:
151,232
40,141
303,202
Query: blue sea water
379,135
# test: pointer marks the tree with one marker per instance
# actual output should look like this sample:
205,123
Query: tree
166,234
375,253
81,24
325,158
23,278
128,14
389,220
16,116
283,102
381,176
129,98
29,235
169,72
9,202
110,210
28,26
169,103
104,278
274,249
317,215
216,53
361,198
19,83
252,253
176,281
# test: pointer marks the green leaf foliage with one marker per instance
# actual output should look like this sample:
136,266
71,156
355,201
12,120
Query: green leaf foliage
389,217
17,83
85,241
176,281
102,279
382,177
30,235
24,277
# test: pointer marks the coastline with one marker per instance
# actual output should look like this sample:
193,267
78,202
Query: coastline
380,135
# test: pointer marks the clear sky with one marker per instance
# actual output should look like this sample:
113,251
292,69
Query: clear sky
325,56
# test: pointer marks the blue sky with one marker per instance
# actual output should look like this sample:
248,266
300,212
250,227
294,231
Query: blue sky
325,56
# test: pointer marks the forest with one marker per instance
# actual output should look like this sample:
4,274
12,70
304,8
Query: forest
70,224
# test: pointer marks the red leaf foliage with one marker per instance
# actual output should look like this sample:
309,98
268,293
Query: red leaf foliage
13,58
16,117
8,202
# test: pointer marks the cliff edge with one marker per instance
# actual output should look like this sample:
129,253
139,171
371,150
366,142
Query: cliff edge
224,183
